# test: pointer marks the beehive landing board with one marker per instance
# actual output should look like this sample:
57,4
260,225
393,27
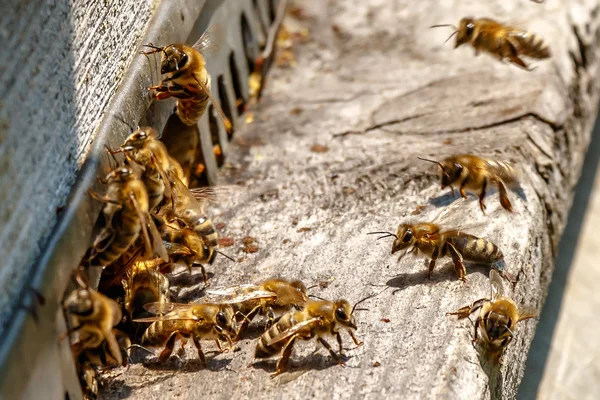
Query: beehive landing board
378,88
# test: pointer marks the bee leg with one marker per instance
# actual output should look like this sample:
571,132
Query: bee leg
219,345
357,342
461,271
482,195
271,317
166,353
182,347
335,356
200,352
103,199
465,311
504,201
431,267
282,363
475,325
338,337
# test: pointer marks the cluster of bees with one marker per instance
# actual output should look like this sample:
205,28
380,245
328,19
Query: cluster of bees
154,222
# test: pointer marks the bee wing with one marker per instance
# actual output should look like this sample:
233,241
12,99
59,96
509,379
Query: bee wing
231,290
157,243
213,194
158,307
163,175
177,249
168,317
217,107
210,39
496,284
185,199
288,333
526,312
255,295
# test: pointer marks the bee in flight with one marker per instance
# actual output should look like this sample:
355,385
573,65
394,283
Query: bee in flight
499,40
187,79
434,242
318,319
475,174
497,320
94,317
273,296
195,321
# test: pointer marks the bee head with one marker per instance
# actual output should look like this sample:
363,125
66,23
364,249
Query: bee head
465,30
138,138
405,237
451,170
173,59
343,314
224,321
120,174
79,303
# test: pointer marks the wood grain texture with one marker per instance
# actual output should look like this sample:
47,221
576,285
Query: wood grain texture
62,61
379,90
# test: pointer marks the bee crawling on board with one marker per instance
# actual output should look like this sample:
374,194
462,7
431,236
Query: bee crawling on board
497,320
186,78
434,241
266,298
188,321
475,174
499,40
318,319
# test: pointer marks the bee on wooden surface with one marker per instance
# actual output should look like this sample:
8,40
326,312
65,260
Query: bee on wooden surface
497,320
435,242
266,298
126,215
499,40
145,284
474,174
94,317
188,321
318,319
187,79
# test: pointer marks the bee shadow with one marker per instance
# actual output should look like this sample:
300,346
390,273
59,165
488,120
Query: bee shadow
443,200
254,331
492,368
315,361
439,274
187,366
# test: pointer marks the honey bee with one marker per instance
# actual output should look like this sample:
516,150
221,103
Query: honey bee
474,174
144,147
318,319
126,214
267,298
433,242
501,41
145,284
195,321
187,79
94,317
497,320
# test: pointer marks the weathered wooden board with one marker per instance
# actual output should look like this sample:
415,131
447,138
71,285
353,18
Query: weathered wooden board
62,61
378,88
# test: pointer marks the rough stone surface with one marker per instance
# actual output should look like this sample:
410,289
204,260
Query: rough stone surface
62,61
378,88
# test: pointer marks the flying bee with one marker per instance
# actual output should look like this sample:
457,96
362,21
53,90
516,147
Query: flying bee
145,284
501,41
94,317
433,242
144,147
126,214
265,298
318,319
196,321
497,320
474,174
187,79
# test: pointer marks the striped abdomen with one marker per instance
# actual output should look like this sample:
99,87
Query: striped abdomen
530,45
155,187
503,170
191,110
159,332
203,226
284,323
125,234
476,249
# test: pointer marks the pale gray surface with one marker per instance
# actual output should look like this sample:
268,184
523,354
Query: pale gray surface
62,61
390,80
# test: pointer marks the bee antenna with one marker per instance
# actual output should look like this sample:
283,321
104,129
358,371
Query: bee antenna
432,161
367,298
316,297
224,255
311,287
120,118
385,234
450,37
140,347
443,26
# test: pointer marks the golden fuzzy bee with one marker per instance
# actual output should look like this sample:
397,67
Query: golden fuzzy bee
186,79
144,284
497,320
318,319
195,321
434,242
126,214
499,40
266,298
475,174
94,317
